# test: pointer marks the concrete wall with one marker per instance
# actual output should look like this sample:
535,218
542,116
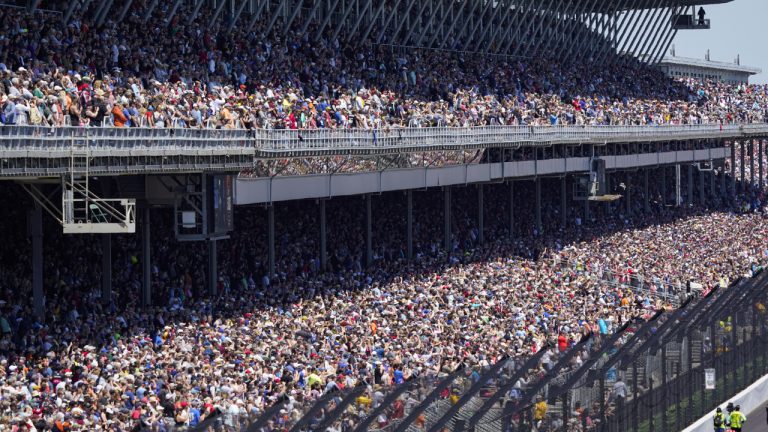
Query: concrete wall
750,399
287,188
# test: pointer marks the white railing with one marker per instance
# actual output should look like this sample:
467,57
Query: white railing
42,138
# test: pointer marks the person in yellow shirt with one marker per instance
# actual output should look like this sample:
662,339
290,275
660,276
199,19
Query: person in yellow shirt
540,410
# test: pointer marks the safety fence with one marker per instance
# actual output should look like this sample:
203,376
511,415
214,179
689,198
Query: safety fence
651,374
46,138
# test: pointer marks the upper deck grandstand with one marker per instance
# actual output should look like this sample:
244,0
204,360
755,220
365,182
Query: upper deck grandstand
128,332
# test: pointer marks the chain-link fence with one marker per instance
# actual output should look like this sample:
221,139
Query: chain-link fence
649,375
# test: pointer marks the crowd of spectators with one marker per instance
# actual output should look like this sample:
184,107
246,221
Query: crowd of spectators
94,366
198,76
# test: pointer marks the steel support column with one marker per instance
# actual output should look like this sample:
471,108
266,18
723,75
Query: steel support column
296,10
665,43
480,215
649,22
106,269
32,5
608,205
589,21
148,12
723,181
400,23
195,11
586,211
319,31
146,258
657,24
447,219
563,202
368,231
102,15
271,241
575,25
733,168
36,232
511,209
257,14
175,8
323,238
353,30
124,10
459,15
275,15
761,156
70,10
702,188
538,205
523,12
646,197
689,198
663,185
743,175
213,268
507,6
480,21
99,8
409,224
678,192
752,163
235,18
413,28
628,192
632,31
384,26
344,16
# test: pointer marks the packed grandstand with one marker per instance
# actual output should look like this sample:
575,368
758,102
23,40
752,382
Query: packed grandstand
294,337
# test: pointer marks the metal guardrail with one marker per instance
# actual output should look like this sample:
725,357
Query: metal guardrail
329,140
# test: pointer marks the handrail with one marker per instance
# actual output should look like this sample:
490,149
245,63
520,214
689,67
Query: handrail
267,140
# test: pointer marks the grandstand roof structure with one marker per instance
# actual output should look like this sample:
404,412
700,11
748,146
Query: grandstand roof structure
600,30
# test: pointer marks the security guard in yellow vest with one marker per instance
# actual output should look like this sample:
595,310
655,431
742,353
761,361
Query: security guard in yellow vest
737,419
719,420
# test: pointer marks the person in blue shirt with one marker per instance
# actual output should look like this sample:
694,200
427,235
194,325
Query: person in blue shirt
398,375
194,415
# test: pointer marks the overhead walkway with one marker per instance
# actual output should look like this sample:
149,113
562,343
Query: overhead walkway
34,152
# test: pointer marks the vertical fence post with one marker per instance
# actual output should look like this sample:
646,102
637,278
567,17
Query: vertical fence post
566,410
713,348
602,399
650,398
664,387
635,404
620,413
678,399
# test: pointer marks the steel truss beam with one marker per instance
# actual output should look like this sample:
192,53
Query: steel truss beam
644,26
594,29
654,29
400,23
388,20
480,20
256,15
238,12
664,46
508,6
520,12
608,49
580,29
